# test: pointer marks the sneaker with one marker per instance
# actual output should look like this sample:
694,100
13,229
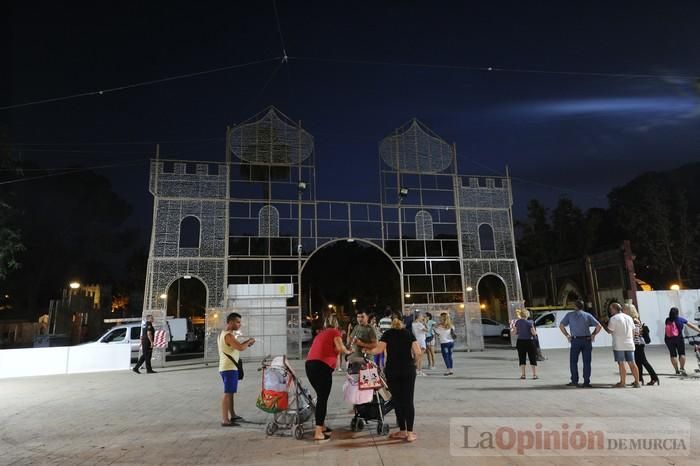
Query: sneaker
571,384
136,369
678,372
636,385
683,373
586,385
619,385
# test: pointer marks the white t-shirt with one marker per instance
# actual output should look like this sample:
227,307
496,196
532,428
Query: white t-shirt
622,327
420,333
444,334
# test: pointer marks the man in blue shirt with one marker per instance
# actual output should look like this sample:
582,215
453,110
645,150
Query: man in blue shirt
581,339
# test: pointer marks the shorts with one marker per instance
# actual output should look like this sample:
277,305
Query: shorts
622,356
429,340
421,342
675,345
230,379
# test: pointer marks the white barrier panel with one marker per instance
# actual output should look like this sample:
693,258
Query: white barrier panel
26,362
654,307
98,358
551,338
33,361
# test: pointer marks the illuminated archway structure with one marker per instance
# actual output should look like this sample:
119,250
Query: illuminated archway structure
427,220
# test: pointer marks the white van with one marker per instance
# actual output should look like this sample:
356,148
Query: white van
125,334
549,335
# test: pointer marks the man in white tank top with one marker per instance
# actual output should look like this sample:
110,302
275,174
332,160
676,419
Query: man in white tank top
229,359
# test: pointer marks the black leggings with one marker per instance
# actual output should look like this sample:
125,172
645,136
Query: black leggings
320,376
640,358
402,387
526,348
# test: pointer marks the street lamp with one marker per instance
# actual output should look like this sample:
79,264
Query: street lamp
469,289
74,285
403,192
675,287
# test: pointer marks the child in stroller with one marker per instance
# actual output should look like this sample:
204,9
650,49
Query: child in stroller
366,389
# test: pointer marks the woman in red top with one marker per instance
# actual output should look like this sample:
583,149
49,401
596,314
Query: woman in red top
320,363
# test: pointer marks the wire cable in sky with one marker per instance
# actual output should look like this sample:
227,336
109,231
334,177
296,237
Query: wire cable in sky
71,171
117,143
279,30
496,69
140,84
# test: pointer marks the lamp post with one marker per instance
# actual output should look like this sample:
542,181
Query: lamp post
403,192
301,188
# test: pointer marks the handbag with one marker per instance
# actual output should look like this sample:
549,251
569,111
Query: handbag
645,334
238,364
352,393
369,378
453,335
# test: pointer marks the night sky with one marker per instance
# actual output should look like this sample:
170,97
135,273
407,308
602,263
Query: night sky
583,97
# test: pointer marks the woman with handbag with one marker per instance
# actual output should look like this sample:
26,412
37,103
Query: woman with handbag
526,333
400,372
446,333
320,363
641,338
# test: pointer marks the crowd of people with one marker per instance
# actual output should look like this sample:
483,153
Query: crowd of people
398,343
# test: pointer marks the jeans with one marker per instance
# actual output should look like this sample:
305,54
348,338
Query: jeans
446,350
585,346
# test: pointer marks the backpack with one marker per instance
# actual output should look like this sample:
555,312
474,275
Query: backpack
671,329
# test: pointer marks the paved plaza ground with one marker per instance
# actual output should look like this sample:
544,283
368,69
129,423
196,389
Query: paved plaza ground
173,417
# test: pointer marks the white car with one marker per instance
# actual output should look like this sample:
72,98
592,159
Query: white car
125,334
293,332
493,328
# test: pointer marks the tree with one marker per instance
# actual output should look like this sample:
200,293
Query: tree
73,228
656,213
536,237
10,237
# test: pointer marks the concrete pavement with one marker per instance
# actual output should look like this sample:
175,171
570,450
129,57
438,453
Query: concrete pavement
173,417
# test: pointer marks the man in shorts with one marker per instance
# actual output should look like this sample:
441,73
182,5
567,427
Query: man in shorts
229,362
621,327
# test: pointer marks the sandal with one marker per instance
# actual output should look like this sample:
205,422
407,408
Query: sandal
327,429
229,424
411,437
324,439
397,435
535,377
522,377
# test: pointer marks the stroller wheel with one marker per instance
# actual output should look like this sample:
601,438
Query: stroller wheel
270,428
385,429
353,424
360,424
299,432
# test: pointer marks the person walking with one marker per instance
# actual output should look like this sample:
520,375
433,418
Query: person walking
673,337
400,372
621,327
320,362
420,331
147,335
446,334
430,339
525,331
581,340
640,358
229,367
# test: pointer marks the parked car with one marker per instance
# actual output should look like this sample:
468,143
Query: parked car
293,332
493,328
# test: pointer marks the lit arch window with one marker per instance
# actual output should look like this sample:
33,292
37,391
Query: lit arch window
269,222
486,238
189,232
424,225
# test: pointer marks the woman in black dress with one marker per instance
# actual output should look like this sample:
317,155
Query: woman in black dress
402,352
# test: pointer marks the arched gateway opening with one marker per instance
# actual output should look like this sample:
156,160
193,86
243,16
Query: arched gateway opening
185,308
343,276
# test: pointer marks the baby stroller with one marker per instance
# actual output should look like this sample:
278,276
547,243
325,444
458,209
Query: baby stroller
366,389
695,342
285,397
